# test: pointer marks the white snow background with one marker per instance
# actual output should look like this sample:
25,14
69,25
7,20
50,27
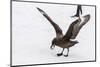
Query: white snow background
32,33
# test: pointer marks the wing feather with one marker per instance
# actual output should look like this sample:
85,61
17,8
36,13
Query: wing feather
75,28
56,27
79,26
69,33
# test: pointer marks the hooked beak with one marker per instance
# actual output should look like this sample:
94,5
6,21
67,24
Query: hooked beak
52,46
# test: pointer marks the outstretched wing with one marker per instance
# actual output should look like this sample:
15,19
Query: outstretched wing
69,33
75,28
78,27
56,27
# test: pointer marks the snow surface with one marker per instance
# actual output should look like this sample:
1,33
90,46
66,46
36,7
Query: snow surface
32,34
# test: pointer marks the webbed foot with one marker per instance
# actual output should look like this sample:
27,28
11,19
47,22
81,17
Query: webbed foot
65,55
60,54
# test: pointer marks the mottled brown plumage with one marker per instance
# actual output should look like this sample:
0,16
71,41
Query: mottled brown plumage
64,41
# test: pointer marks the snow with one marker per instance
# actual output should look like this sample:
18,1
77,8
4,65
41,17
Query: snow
32,34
